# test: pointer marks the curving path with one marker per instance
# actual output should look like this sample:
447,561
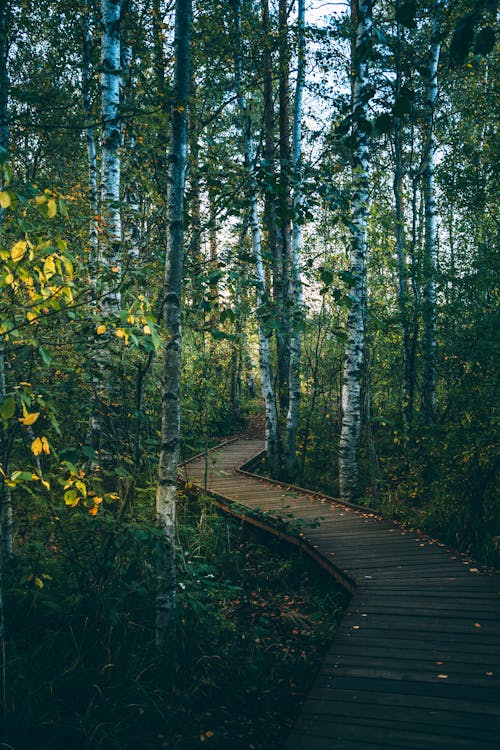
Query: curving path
416,662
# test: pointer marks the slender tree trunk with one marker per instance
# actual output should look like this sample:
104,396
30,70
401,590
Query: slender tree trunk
271,214
283,329
110,157
109,252
349,480
91,143
430,247
272,439
132,234
400,244
170,431
295,292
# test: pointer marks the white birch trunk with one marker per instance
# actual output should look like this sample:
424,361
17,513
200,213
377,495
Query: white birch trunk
271,435
170,433
295,292
349,482
110,156
429,295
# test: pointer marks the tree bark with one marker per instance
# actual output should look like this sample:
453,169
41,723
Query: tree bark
349,480
110,156
430,247
295,291
271,437
170,431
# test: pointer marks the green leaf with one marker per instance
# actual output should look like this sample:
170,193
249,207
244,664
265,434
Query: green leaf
45,355
8,408
22,476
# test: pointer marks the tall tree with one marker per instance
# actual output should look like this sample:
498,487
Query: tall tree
353,363
110,156
295,290
272,436
172,287
430,243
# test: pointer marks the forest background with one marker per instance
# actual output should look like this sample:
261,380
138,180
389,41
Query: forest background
280,209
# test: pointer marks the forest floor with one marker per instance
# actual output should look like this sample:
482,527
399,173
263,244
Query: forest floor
254,619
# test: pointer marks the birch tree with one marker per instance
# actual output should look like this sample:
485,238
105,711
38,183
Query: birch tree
355,330
171,375
110,156
295,291
271,434
109,250
429,292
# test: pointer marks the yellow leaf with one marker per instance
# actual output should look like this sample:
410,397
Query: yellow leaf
18,251
97,500
131,319
94,510
147,329
49,267
81,486
31,316
9,279
29,419
45,446
115,269
122,334
4,199
40,199
39,582
51,208
101,329
36,446
46,484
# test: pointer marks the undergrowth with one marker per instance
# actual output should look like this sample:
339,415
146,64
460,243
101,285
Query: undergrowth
254,617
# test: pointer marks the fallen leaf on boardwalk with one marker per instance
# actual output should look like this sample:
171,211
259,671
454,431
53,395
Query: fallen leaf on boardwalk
439,663
489,674
477,624
443,676
474,570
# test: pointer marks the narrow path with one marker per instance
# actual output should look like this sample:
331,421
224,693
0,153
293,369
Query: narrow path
416,662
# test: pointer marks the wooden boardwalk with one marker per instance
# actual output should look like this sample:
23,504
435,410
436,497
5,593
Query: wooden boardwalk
416,662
